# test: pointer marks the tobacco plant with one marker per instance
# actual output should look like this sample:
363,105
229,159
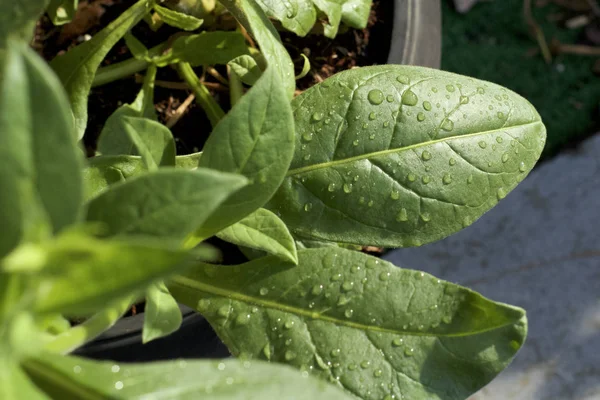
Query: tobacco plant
391,156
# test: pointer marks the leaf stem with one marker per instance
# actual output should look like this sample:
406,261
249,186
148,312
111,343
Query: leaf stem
203,97
70,340
126,68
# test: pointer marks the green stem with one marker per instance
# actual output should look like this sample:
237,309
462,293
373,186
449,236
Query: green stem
126,68
214,112
88,330
236,90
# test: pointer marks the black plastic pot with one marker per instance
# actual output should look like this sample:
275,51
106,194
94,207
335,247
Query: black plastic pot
416,40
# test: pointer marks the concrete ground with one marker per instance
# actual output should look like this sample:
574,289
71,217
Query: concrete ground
538,249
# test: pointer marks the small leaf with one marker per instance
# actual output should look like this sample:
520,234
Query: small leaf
255,139
177,19
401,156
252,17
162,315
62,11
355,13
150,139
188,161
358,322
305,68
297,16
333,11
40,164
246,68
82,273
206,48
166,203
262,230
103,171
77,67
137,48
227,379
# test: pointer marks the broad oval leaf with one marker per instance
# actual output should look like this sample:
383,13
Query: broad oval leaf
182,380
263,231
297,16
77,67
204,48
167,203
401,156
366,325
255,139
40,164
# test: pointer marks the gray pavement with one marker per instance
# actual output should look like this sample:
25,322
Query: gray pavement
538,249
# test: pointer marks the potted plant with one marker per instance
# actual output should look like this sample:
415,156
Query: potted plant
388,155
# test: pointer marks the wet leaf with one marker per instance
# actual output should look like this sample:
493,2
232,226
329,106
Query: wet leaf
401,156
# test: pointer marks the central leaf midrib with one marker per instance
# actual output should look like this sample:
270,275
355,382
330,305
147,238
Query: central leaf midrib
236,295
329,164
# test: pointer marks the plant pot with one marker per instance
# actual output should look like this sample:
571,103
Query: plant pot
416,40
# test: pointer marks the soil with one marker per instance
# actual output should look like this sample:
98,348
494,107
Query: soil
349,49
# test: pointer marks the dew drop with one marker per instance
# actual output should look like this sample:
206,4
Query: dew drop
352,367
480,90
403,79
426,179
289,324
411,177
447,319
421,117
482,144
447,125
384,276
335,352
452,162
390,98
375,97
263,291
514,344
500,115
372,136
308,207
450,88
203,305
397,342
470,179
522,167
426,217
409,98
464,100
347,188
119,385
336,277
365,364
395,195
348,313
361,200
427,106
289,355
386,124
370,203
408,352
500,193
426,156
504,157
317,116
377,373
372,116
224,311
372,263
331,187
434,89
499,139
402,215
308,136
343,300
356,142
242,319
447,179
77,369
267,351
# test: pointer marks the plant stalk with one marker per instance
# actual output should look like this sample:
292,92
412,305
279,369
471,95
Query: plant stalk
203,97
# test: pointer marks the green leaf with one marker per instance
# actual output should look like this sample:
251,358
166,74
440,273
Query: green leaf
252,17
81,273
166,203
137,48
103,171
206,48
62,11
77,67
40,164
162,315
17,19
297,16
15,384
262,230
364,324
333,11
177,19
188,161
355,13
255,139
401,156
150,139
182,380
246,68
